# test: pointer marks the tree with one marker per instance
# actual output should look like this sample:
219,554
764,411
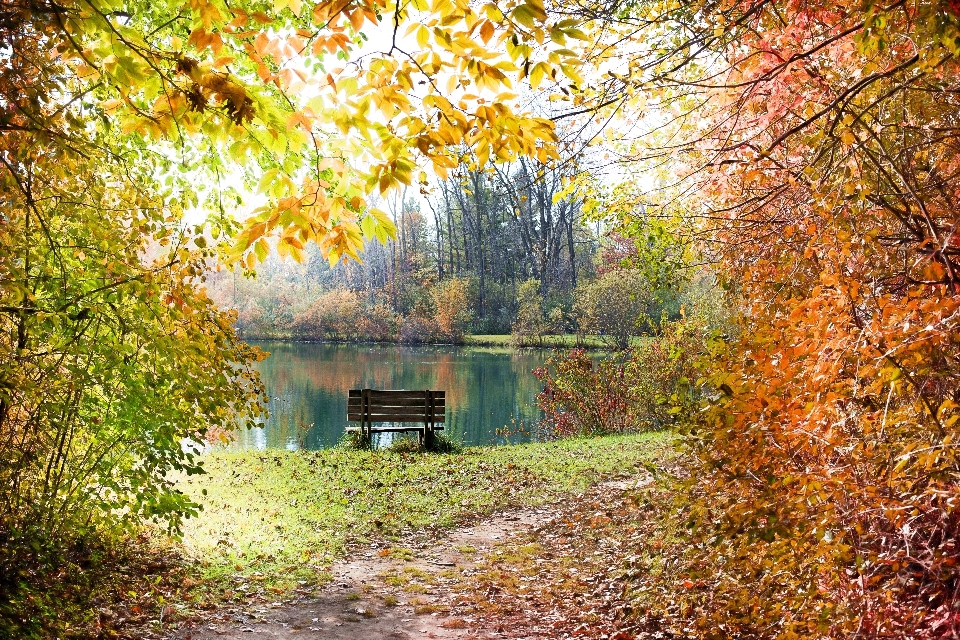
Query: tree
112,355
812,150
451,299
116,118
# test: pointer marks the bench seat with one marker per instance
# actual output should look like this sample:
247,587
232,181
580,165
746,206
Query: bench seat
421,411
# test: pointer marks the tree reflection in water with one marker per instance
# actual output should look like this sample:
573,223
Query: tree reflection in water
487,389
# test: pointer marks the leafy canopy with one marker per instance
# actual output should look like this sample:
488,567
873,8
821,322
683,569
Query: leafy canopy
120,118
284,99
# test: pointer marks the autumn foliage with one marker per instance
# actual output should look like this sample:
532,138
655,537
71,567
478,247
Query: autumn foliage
641,389
826,165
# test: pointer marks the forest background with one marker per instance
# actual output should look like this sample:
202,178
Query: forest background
494,254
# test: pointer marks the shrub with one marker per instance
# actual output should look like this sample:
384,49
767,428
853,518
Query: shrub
335,315
378,323
584,398
661,373
452,303
417,330
111,357
616,306
639,390
530,325
341,314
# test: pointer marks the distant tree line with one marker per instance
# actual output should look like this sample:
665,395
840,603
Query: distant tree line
496,252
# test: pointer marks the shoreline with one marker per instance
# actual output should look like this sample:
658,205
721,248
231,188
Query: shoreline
551,342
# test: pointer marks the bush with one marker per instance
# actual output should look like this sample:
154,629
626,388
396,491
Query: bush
417,330
335,315
111,357
616,306
452,303
530,325
584,398
661,372
378,323
341,314
639,390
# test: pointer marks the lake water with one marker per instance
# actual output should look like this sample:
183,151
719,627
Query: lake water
487,390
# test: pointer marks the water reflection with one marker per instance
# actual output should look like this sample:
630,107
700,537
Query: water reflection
487,389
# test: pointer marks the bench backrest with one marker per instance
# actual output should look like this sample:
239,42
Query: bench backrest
372,405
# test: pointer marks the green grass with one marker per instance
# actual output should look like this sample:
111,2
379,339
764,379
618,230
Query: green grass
275,519
564,341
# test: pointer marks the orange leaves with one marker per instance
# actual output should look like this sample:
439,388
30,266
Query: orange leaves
486,31
207,12
331,44
202,39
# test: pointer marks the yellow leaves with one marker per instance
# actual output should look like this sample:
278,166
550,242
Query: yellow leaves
329,213
519,51
487,76
110,62
261,249
567,29
377,224
529,13
524,16
442,7
390,174
492,12
342,240
423,36
537,73
571,72
348,85
385,108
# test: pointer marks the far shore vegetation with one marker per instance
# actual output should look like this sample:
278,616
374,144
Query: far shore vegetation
505,341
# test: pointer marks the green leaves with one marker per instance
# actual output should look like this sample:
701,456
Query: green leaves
113,355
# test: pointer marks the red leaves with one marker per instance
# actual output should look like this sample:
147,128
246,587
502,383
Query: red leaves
633,391
829,456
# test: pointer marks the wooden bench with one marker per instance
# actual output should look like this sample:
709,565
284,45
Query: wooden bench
426,408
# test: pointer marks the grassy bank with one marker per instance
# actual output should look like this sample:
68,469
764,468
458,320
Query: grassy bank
273,519
564,341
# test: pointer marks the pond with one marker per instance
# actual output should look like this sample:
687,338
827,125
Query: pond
491,392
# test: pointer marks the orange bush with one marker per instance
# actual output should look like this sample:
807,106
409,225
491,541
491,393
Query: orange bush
829,497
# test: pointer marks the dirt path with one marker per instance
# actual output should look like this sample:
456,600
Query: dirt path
408,590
